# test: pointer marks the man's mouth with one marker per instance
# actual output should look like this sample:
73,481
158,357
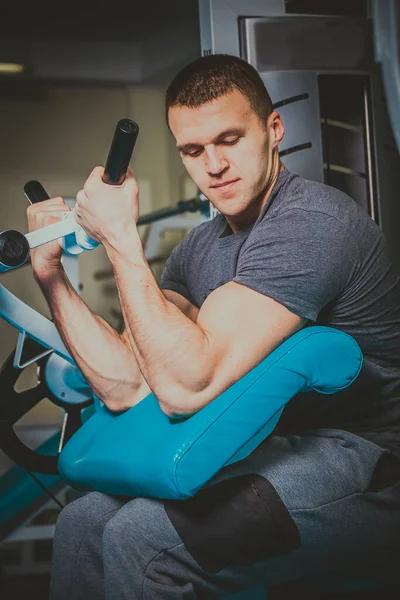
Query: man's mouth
224,184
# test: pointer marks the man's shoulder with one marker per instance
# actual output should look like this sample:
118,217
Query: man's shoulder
305,195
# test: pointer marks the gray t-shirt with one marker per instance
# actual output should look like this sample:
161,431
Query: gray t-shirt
314,250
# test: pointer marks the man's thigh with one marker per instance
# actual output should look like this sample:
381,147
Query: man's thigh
313,468
89,512
298,505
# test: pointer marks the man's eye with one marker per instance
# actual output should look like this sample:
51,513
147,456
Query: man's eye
194,153
231,142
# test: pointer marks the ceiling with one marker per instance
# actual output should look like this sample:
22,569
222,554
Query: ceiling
99,42
117,41
86,20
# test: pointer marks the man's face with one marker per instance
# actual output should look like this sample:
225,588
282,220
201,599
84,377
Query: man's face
227,151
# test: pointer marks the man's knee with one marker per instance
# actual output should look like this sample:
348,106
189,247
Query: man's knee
85,511
69,514
140,526
141,551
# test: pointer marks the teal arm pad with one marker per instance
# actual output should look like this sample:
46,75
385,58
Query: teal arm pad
142,452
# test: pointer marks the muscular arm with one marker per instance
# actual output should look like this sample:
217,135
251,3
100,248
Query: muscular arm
187,362
104,356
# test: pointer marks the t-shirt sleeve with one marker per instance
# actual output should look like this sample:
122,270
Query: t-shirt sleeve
172,277
300,258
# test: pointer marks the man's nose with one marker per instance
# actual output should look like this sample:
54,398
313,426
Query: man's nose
215,162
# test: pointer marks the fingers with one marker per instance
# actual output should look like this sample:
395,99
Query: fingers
81,197
49,209
130,182
46,212
43,221
47,204
97,173
81,200
95,180
51,202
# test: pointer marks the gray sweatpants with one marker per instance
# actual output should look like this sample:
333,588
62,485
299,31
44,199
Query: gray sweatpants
322,501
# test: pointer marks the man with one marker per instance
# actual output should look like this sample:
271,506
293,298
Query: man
321,494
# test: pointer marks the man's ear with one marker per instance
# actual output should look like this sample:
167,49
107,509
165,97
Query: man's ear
276,127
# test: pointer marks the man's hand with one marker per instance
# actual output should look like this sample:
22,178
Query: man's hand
107,212
47,257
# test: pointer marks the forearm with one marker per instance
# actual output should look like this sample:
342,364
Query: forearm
105,359
171,350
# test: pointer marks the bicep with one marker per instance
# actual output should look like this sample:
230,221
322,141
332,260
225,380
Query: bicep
242,327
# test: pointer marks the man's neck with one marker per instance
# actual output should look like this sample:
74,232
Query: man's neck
245,220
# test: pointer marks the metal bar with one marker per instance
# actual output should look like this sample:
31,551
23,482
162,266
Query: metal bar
369,156
32,532
24,318
19,350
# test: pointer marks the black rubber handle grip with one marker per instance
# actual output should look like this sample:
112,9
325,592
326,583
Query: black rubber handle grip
120,153
35,192
14,249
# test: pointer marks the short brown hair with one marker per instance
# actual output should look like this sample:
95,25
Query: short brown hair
216,75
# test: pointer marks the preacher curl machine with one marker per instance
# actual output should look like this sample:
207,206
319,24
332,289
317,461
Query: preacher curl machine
143,452
59,379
